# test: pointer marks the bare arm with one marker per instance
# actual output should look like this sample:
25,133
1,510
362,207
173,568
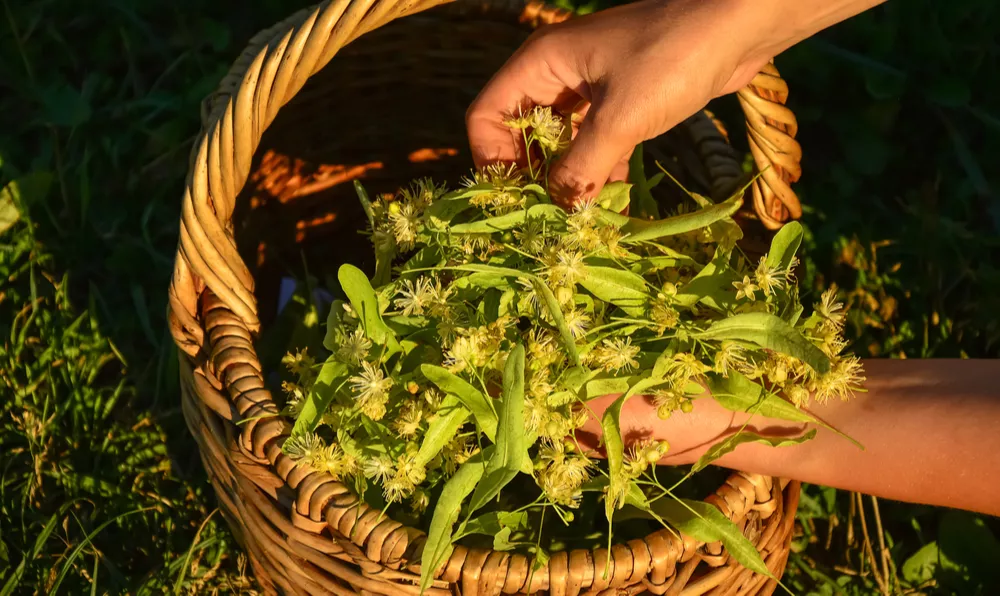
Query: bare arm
931,431
636,71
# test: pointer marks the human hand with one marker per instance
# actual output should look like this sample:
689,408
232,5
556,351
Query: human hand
633,72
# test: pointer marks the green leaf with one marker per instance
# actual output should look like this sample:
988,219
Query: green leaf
330,377
601,387
468,192
622,288
20,194
439,537
442,211
482,280
362,296
471,398
921,565
574,378
737,393
497,523
643,205
640,230
511,448
677,260
552,305
730,444
784,245
704,522
366,203
712,286
550,213
614,445
9,213
614,196
969,547
768,331
450,417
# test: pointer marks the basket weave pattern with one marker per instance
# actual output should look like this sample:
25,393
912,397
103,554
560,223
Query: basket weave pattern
306,533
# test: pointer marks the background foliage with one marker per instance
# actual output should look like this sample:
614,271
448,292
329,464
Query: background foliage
101,490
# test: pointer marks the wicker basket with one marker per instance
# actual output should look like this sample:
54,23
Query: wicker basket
388,109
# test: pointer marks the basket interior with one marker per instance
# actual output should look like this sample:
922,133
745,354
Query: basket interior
388,109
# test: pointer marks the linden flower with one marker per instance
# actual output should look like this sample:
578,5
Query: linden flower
663,315
587,238
547,128
473,243
433,398
455,453
668,401
438,305
543,349
419,501
415,297
407,423
798,394
529,302
304,448
566,268
536,412
730,356
408,475
335,462
354,348
422,193
611,238
845,377
617,489
498,175
379,468
563,472
371,389
643,454
745,288
300,364
578,322
461,353
585,214
531,236
616,354
768,278
405,221
830,310
684,366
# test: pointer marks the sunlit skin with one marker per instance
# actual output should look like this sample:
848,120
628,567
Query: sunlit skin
929,427
634,72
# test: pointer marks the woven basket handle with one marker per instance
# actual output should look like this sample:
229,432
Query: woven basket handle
771,130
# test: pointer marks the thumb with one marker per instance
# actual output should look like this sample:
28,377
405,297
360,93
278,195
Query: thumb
597,151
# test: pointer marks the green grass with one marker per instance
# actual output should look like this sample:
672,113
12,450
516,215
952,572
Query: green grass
101,488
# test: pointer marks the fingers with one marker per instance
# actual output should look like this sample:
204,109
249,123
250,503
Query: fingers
532,76
599,154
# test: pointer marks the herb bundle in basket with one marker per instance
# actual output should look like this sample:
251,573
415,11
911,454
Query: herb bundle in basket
459,375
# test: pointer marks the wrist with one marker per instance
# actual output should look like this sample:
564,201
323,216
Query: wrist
777,25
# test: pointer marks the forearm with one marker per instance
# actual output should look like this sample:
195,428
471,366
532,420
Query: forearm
930,431
780,24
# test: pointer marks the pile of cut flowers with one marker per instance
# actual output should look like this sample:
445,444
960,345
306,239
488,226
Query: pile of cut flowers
494,316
